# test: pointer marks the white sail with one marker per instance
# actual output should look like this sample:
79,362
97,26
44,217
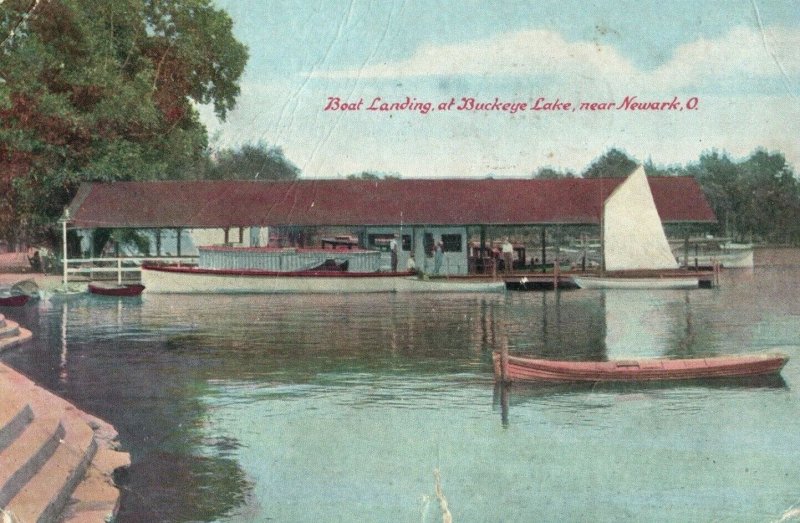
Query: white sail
633,236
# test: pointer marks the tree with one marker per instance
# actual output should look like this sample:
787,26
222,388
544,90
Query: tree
105,91
758,198
253,162
548,173
613,164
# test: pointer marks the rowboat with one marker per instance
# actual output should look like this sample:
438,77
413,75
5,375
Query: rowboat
13,300
125,289
517,368
19,294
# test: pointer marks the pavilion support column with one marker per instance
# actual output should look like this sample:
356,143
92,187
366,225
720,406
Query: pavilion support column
482,252
158,242
544,248
686,249
602,246
179,232
227,233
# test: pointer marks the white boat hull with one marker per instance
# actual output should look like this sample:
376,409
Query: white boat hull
608,282
729,260
207,282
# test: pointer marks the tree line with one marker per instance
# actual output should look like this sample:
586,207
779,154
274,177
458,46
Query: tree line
108,91
754,199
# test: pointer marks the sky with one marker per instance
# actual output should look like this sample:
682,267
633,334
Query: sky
725,76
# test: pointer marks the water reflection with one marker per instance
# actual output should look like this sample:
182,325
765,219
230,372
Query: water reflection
602,325
619,324
272,407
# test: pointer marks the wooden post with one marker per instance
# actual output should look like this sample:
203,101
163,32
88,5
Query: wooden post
556,270
158,242
64,245
179,231
504,362
504,405
686,250
544,250
227,231
119,270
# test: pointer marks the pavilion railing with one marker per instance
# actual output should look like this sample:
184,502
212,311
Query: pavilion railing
101,268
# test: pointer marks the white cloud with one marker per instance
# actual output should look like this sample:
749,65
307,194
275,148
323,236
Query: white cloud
741,53
518,53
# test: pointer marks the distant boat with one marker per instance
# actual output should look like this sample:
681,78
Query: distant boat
530,369
19,294
7,299
635,249
27,287
705,253
124,289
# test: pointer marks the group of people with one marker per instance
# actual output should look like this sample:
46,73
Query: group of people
506,249
411,264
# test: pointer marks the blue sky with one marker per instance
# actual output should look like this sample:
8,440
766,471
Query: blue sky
740,61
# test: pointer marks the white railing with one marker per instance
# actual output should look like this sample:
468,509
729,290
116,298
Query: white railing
92,266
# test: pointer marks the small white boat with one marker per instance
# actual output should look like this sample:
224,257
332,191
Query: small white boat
639,282
708,253
635,249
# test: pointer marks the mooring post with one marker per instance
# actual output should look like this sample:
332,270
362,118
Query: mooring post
504,362
556,270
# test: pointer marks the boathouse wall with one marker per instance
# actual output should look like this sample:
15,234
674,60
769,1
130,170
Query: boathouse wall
421,240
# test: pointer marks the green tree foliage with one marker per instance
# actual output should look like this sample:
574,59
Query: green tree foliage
105,91
755,199
548,173
613,164
253,162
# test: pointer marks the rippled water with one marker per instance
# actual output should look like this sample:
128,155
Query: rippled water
340,408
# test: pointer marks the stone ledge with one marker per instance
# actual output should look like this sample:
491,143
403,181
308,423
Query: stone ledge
95,498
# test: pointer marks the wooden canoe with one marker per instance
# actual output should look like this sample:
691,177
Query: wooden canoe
130,289
530,369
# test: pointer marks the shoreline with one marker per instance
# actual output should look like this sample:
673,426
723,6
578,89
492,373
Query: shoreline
64,459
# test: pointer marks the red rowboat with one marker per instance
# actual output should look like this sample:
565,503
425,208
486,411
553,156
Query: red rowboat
530,369
13,300
129,289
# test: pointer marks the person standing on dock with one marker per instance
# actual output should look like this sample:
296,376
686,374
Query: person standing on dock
508,256
393,251
438,256
411,265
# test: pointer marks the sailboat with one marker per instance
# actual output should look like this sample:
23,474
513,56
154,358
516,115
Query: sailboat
636,252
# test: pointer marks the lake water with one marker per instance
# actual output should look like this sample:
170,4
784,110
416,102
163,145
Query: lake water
340,408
